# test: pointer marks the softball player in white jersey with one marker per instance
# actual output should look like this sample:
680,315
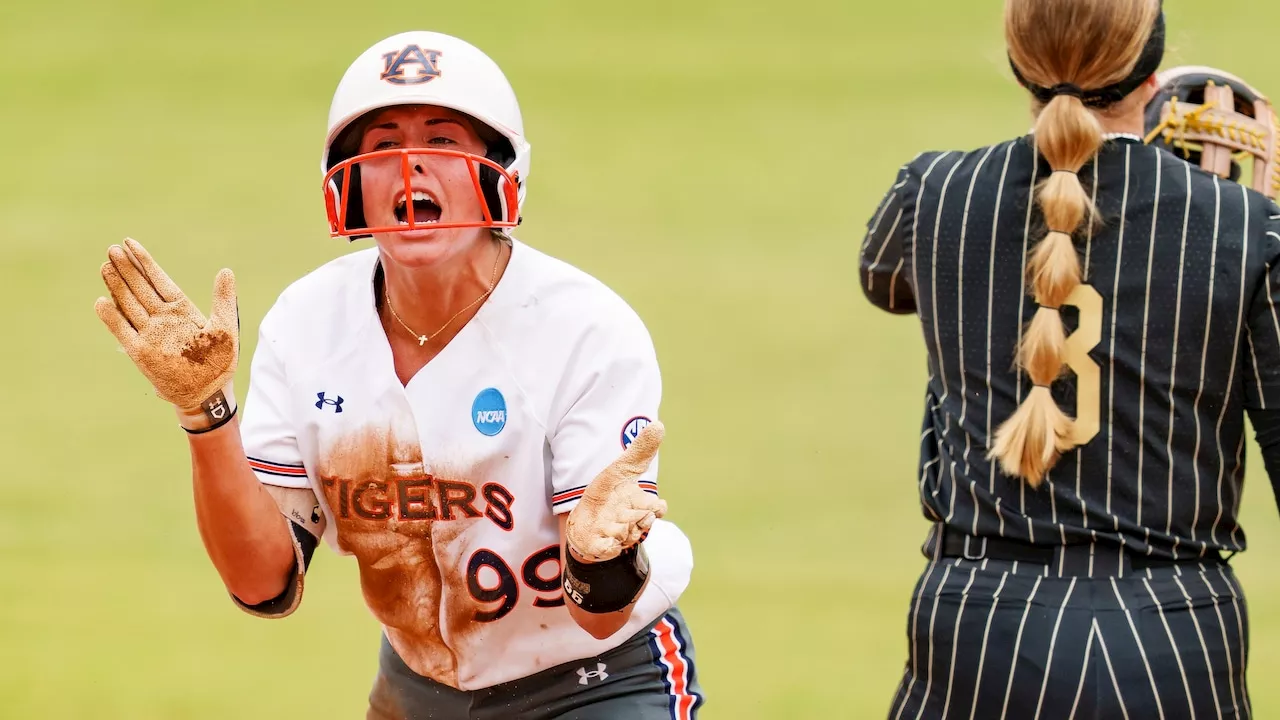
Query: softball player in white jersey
474,421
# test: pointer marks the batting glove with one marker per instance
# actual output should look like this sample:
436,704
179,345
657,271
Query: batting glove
614,513
190,360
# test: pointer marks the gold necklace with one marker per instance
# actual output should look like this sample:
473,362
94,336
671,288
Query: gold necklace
424,339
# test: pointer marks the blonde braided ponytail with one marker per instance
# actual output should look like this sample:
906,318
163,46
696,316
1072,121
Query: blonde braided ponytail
1066,45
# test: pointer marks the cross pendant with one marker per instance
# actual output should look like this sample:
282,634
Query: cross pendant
422,340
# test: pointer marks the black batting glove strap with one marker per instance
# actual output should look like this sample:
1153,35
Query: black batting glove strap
212,414
608,586
219,423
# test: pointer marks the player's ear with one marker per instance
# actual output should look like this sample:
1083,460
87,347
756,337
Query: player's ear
1148,90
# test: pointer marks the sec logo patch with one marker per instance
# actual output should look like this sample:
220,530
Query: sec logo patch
489,412
632,429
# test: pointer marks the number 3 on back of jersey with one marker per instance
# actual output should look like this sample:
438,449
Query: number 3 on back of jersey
1076,356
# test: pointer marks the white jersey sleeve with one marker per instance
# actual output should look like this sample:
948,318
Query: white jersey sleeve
611,390
266,426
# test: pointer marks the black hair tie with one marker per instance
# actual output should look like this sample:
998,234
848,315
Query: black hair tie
1071,89
1148,63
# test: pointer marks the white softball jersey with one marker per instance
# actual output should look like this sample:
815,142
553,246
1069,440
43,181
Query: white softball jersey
447,490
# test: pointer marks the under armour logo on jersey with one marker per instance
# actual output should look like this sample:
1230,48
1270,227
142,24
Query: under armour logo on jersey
599,674
411,65
336,403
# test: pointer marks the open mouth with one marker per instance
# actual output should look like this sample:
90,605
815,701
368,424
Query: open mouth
424,209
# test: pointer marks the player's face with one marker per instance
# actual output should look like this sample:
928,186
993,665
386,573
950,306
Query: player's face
440,187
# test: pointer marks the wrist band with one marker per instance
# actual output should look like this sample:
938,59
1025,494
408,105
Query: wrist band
608,586
213,413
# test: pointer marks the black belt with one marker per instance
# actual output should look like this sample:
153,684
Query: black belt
961,545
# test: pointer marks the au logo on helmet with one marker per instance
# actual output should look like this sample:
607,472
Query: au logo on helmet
411,65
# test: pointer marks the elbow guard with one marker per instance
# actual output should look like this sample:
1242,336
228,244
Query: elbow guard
306,525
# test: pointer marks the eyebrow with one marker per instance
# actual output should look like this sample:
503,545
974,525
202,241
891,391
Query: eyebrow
433,121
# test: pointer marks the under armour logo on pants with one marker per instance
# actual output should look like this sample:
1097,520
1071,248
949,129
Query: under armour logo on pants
598,674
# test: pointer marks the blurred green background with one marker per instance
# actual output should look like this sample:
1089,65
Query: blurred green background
712,160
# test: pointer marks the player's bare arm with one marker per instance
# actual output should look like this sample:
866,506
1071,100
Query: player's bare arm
605,565
190,361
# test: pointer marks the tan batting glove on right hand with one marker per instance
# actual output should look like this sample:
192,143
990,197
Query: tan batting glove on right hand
189,360
614,513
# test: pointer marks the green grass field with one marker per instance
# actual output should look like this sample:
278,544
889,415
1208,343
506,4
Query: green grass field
713,160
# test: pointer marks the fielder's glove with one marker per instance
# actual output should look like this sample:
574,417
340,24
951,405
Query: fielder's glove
189,360
1216,120
614,513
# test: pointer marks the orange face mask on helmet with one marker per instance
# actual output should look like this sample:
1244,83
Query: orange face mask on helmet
425,68
347,218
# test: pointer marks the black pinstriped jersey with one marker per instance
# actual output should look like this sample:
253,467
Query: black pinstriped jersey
1185,265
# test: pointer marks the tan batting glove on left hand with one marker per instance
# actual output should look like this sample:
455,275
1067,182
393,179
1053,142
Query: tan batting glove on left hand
614,513
189,360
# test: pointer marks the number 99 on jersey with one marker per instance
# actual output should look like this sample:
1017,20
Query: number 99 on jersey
506,592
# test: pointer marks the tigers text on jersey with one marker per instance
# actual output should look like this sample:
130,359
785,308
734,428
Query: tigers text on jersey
446,490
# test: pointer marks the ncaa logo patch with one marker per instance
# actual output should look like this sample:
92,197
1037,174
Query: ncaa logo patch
489,412
632,429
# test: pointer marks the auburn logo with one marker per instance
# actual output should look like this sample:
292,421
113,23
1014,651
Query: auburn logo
411,65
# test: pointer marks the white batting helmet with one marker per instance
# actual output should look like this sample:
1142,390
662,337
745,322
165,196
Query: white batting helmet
426,68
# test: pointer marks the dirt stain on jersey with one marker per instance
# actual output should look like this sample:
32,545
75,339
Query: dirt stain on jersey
399,550
453,553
